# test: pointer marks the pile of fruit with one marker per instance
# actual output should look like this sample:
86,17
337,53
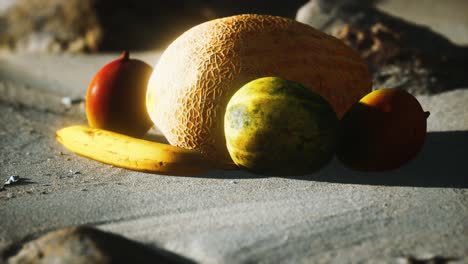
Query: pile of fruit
261,93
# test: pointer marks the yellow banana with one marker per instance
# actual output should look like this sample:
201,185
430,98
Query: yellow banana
135,154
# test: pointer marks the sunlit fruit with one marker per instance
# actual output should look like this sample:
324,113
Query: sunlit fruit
383,131
199,72
116,97
278,127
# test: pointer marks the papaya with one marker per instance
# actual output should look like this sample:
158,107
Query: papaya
278,127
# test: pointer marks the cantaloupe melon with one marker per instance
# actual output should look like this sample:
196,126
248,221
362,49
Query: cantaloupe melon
200,71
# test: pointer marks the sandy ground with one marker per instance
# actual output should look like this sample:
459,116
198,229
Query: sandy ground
336,215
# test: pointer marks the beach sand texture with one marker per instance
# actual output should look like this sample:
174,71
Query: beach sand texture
335,216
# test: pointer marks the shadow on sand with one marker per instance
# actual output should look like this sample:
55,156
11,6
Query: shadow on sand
443,162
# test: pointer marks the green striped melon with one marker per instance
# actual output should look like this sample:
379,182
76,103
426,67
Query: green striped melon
275,126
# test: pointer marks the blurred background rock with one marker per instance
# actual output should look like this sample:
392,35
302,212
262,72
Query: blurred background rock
418,45
410,45
448,17
111,25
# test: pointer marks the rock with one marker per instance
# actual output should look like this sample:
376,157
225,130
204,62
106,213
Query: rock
408,56
114,25
88,245
329,15
50,26
400,54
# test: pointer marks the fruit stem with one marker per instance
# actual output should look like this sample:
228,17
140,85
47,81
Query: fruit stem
125,55
427,114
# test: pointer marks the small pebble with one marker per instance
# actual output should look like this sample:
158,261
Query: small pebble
72,172
12,179
233,182
68,101
10,195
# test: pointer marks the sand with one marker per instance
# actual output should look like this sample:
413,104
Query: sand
336,215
